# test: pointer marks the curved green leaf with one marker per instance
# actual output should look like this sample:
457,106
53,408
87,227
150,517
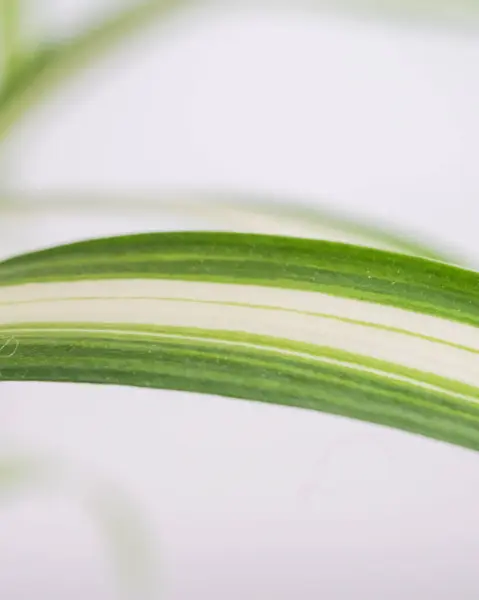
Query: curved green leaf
352,331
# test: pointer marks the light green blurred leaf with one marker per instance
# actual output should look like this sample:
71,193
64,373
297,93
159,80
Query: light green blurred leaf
126,538
20,472
446,13
10,34
224,212
129,542
54,62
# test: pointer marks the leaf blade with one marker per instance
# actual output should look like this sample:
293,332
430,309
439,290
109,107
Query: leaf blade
352,331
345,270
259,375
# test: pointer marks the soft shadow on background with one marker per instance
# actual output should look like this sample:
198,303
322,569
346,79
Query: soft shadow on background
361,115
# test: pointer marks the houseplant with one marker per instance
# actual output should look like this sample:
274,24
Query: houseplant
232,251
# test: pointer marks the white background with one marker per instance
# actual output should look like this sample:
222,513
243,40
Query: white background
249,501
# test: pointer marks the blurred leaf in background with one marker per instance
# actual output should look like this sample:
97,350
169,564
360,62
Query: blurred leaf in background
34,70
445,13
127,542
48,63
31,73
11,42
18,473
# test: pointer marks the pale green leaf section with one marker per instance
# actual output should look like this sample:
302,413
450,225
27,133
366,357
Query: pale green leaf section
351,331
52,63
130,543
124,533
19,472
296,219
10,34
463,14
41,72
224,212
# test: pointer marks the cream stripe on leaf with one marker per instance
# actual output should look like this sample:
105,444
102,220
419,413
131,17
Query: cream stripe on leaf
352,331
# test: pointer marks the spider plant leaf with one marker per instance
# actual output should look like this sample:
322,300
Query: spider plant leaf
129,542
19,472
53,62
40,72
377,336
256,215
10,34
226,212
122,530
